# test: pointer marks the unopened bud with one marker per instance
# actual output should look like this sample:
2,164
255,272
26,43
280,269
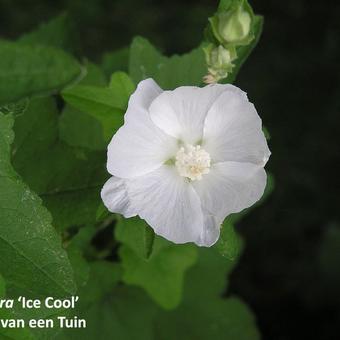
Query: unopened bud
219,62
234,25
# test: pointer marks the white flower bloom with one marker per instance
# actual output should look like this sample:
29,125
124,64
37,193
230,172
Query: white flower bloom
185,159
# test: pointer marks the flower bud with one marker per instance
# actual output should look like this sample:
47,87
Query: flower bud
233,26
219,62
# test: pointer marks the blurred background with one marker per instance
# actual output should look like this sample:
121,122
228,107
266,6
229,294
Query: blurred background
289,272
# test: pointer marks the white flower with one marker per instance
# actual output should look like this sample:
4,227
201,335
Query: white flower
185,159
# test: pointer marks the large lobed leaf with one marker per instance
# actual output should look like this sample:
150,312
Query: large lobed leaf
27,70
203,314
68,179
32,260
162,275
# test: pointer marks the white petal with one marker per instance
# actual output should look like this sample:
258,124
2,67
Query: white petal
211,231
139,146
115,197
233,131
168,203
181,113
139,102
230,187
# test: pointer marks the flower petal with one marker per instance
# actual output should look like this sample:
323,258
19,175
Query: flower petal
210,232
168,203
115,198
181,113
230,187
139,102
139,146
233,131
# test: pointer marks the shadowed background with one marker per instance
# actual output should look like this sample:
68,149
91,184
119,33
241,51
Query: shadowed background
289,272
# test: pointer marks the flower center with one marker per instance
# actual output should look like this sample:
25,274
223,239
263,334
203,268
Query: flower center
192,162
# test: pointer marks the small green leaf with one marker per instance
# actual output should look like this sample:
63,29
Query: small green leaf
169,73
230,243
27,71
136,234
32,260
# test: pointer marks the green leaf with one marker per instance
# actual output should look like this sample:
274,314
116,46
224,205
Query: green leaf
162,274
16,109
230,243
136,234
56,33
38,313
94,75
106,104
124,314
115,61
92,99
243,52
27,71
69,180
13,333
99,103
32,260
2,287
198,285
169,73
215,318
203,314
5,314
103,277
118,312
79,129
80,266
122,87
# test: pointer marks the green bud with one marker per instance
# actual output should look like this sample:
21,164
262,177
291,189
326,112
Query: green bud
233,26
219,61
